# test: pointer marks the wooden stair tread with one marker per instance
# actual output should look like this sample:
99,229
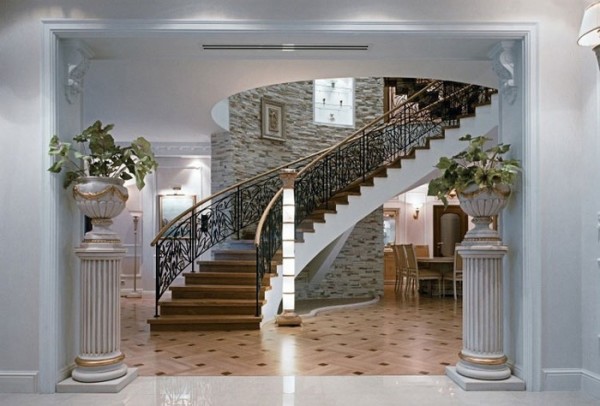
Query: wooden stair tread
206,274
204,318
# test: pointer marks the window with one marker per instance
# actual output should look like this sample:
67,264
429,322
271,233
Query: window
334,102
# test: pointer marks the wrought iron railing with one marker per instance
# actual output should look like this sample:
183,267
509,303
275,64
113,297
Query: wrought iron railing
211,221
226,213
388,138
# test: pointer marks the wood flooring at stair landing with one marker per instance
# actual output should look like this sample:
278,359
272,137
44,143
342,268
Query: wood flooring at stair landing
413,336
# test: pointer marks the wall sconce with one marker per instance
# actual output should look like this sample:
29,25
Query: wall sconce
589,33
417,208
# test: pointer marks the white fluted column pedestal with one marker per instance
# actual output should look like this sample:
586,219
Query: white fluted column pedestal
482,358
99,365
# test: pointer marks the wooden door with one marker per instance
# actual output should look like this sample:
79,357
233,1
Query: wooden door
450,225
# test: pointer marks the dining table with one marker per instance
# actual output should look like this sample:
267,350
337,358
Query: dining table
445,265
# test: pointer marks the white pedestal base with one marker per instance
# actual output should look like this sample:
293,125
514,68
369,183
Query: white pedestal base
134,294
512,383
100,358
113,386
99,374
484,372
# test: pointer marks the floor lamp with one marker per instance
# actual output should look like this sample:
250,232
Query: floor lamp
136,219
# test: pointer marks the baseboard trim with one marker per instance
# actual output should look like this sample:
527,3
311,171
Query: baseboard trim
590,383
18,381
571,379
561,379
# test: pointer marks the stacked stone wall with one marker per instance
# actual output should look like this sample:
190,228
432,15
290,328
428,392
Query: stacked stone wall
242,153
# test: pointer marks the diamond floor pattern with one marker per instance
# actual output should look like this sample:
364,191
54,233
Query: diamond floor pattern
397,336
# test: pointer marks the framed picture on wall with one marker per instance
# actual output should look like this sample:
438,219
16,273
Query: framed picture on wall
272,118
171,206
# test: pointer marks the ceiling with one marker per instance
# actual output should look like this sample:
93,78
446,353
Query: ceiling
381,46
175,58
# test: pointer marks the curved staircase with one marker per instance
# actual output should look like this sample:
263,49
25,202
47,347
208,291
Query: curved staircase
239,287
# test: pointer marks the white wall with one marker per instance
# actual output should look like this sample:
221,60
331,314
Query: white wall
565,158
590,217
158,100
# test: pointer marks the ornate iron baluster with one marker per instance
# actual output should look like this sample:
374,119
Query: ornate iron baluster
388,138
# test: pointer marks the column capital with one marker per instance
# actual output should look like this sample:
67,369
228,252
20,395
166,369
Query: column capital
288,177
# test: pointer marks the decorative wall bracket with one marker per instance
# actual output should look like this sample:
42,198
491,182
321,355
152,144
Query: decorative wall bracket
503,63
77,63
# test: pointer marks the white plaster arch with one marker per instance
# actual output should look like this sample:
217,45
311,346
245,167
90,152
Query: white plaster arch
54,218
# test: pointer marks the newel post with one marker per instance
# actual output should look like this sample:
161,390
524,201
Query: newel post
288,234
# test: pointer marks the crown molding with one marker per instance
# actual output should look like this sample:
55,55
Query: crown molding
181,149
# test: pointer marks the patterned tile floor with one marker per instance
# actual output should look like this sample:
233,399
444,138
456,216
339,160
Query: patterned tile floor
396,336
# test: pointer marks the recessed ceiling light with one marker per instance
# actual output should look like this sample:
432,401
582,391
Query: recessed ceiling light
284,47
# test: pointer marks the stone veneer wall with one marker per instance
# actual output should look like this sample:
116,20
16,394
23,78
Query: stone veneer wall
221,167
251,155
242,153
358,269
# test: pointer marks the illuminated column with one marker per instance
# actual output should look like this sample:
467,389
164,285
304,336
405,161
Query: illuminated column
288,233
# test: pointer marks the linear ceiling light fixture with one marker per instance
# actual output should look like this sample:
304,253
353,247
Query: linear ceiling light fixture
284,47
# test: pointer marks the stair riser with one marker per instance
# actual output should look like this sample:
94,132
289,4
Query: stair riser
216,280
226,256
205,327
214,295
207,310
227,268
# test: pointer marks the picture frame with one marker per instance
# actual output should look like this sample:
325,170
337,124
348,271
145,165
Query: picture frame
273,119
171,206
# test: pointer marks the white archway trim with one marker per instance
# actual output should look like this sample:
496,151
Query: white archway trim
49,264
527,33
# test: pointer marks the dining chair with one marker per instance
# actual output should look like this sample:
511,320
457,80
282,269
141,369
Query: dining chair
416,275
401,275
457,273
422,251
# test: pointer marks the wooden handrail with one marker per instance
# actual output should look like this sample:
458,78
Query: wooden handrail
165,228
358,132
326,151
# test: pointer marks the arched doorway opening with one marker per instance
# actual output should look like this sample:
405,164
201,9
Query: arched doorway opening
54,297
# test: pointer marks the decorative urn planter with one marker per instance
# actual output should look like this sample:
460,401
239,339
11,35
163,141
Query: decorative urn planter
483,205
101,199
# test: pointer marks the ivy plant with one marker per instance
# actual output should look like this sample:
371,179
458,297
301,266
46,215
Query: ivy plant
486,168
95,153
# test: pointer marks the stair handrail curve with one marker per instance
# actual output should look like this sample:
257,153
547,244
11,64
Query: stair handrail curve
190,234
394,134
271,218
212,220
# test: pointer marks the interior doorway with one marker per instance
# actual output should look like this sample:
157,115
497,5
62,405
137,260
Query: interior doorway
450,224
51,290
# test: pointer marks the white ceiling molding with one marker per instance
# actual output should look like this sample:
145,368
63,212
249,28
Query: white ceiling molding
181,149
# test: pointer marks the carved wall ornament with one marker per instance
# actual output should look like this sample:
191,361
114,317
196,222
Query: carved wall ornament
78,62
503,64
